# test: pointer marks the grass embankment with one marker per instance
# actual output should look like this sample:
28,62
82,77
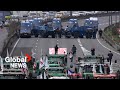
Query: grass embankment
113,34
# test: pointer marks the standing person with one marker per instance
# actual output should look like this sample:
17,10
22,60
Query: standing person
118,74
93,51
103,59
100,33
74,50
108,69
71,56
56,49
65,59
110,55
94,33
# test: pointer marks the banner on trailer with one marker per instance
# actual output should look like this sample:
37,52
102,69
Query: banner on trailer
60,51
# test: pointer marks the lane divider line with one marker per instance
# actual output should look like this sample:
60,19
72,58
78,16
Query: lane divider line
84,50
14,46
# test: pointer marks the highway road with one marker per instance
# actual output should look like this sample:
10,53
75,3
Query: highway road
41,45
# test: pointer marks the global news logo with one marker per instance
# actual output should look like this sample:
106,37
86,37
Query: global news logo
18,61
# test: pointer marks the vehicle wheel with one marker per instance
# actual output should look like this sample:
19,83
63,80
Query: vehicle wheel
81,36
36,35
30,36
21,36
60,36
53,36
76,35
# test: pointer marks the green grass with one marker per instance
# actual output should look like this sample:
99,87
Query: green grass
111,33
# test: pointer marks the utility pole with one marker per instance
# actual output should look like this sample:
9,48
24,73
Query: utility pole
116,18
119,16
111,19
70,13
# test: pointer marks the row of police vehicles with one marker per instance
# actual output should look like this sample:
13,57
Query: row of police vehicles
38,27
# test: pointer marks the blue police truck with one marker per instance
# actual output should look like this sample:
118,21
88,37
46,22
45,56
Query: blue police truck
91,26
73,28
57,26
25,29
37,23
53,28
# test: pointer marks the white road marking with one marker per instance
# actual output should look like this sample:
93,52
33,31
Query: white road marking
37,39
84,50
105,46
36,43
14,46
35,46
57,40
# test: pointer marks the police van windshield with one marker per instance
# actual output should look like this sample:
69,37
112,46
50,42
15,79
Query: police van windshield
56,24
87,22
26,26
37,22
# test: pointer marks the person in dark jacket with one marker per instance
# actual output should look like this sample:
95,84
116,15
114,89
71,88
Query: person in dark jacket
100,33
94,33
65,59
118,74
108,69
56,49
93,51
74,49
110,55
103,59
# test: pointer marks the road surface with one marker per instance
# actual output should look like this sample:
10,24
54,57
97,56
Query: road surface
41,45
